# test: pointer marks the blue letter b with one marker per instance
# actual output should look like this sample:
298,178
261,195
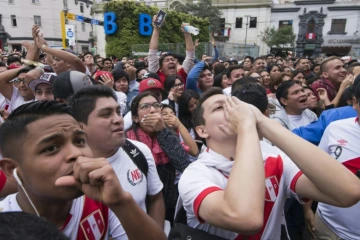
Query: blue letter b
110,26
145,27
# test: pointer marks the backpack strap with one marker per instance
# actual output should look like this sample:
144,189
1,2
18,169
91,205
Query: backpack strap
136,156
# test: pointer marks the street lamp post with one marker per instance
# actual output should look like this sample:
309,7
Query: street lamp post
247,23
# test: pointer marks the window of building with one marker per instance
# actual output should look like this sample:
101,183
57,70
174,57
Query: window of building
285,23
253,22
84,48
81,7
338,26
35,1
13,21
311,26
83,27
222,23
238,22
11,1
37,20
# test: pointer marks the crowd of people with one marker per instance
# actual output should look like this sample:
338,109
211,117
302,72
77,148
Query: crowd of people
260,148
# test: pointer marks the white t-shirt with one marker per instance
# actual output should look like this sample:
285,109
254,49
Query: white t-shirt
121,99
304,119
71,226
227,91
202,177
341,140
132,179
16,100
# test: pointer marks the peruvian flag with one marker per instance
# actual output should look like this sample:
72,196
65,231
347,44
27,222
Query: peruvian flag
310,36
93,226
225,32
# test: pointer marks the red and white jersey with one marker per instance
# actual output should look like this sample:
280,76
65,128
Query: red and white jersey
87,219
204,176
132,179
341,140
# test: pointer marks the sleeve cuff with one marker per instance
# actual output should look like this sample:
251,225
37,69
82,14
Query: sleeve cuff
153,51
294,181
200,198
190,54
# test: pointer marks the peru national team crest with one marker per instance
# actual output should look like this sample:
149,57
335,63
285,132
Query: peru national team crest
272,188
93,226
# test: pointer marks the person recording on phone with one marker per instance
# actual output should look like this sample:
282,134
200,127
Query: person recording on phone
166,65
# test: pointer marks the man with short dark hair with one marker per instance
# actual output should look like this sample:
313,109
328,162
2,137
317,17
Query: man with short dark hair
107,65
166,65
97,110
14,87
234,73
234,159
59,179
295,112
259,65
200,78
88,60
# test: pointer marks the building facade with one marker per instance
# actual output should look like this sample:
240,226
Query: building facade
323,27
18,16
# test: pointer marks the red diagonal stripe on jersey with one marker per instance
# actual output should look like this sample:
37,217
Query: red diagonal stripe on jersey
353,164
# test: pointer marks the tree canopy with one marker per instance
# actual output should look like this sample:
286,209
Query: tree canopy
278,38
202,9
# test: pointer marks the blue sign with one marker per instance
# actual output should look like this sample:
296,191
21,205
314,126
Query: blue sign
79,18
145,28
70,34
94,22
110,25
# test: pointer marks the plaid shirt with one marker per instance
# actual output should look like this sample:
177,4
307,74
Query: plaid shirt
327,85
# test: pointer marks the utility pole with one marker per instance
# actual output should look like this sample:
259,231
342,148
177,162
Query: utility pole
63,21
247,23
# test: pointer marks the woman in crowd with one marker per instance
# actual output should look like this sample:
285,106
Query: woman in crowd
188,102
169,155
274,70
222,81
265,76
299,76
173,89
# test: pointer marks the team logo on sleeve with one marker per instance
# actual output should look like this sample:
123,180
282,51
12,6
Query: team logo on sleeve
271,188
135,176
93,226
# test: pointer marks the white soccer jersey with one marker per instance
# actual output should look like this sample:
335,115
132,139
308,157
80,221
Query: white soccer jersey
204,177
95,224
16,100
341,140
132,179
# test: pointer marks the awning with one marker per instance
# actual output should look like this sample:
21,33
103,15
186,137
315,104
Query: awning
338,50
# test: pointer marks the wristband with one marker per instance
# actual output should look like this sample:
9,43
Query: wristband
42,47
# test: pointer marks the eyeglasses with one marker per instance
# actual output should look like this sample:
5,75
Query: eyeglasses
20,80
178,85
147,106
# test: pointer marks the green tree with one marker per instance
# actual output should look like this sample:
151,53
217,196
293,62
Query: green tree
278,38
127,19
203,9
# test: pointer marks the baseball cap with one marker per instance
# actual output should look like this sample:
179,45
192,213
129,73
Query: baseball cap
150,83
46,78
99,73
68,83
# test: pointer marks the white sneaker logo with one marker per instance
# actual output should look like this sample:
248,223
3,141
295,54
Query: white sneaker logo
134,153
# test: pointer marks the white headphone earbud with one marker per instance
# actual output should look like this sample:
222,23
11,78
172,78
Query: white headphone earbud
21,185
17,177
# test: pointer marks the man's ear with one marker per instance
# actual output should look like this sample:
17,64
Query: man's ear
7,165
82,126
283,101
354,103
201,131
325,74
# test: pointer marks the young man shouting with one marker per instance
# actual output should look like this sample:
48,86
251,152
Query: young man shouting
223,191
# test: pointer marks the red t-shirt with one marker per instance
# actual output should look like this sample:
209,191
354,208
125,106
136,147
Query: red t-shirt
181,73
